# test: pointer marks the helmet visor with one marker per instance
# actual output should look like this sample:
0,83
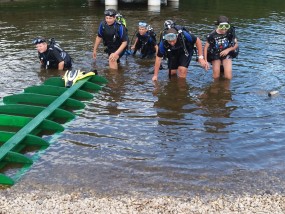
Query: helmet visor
224,26
109,13
38,41
142,24
170,37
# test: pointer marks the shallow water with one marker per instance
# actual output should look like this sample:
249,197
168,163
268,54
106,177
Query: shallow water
171,138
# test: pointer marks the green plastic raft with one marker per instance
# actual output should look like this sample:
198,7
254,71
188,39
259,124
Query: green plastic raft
39,109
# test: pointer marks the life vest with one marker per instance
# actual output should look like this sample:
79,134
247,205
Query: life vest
112,35
227,40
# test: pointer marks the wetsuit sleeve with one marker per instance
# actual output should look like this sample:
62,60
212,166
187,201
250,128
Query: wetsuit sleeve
161,49
56,54
100,30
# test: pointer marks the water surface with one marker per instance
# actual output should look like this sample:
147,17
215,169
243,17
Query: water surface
172,137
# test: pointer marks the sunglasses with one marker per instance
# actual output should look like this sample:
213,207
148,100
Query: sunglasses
170,36
38,41
109,13
142,24
224,26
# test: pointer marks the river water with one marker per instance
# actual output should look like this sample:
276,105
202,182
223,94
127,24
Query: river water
170,138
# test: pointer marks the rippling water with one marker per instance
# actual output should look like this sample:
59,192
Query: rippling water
174,137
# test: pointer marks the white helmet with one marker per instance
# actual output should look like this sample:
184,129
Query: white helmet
168,24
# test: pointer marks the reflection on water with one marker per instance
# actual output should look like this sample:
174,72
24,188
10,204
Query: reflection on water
172,98
173,137
214,104
116,91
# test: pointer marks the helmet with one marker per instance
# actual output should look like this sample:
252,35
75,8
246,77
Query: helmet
118,15
168,24
143,24
149,28
110,12
222,19
39,40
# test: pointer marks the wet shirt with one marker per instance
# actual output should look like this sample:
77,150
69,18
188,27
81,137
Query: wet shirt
219,42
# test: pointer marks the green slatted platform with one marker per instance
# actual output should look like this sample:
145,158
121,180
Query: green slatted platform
39,108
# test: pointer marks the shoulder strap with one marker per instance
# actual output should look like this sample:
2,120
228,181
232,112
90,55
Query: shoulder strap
231,34
54,45
121,30
187,36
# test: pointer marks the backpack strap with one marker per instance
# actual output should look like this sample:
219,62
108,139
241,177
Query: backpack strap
120,30
185,36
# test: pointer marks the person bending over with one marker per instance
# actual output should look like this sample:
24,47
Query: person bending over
51,55
178,47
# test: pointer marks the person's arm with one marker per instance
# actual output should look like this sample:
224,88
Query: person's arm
201,59
96,45
233,48
156,68
60,65
55,54
160,53
206,54
116,55
134,45
121,48
156,49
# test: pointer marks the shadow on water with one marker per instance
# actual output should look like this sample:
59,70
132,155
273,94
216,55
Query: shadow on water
170,138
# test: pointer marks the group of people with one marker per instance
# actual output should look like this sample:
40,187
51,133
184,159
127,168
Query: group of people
176,44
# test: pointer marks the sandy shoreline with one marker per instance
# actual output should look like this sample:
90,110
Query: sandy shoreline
39,202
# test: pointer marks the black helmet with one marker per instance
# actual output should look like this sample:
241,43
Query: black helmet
110,12
168,24
222,19
39,40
